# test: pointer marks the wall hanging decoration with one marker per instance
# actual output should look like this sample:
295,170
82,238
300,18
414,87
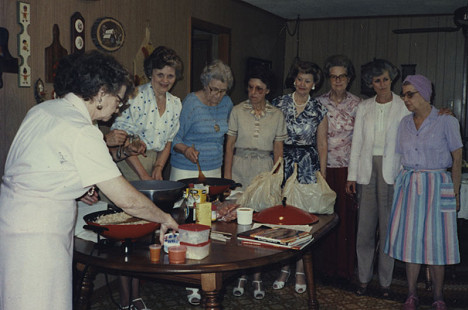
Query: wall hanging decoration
77,35
24,44
39,91
7,62
146,48
108,34
53,53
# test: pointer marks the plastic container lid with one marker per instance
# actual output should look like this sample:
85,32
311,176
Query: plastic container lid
285,215
199,245
194,227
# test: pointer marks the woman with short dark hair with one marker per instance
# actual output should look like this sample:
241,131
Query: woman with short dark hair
254,142
153,116
306,144
56,157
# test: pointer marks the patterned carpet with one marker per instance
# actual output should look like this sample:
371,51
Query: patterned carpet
332,294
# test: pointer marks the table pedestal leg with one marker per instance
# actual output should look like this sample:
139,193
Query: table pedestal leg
211,284
85,288
309,271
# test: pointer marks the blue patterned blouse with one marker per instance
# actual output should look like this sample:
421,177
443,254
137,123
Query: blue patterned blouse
301,145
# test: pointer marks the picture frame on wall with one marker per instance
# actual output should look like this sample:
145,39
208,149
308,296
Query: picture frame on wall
253,62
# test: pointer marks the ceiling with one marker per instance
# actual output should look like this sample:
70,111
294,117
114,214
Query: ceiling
311,9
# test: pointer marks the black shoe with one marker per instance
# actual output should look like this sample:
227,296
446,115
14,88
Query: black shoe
361,291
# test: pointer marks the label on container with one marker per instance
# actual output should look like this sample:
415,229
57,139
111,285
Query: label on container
170,239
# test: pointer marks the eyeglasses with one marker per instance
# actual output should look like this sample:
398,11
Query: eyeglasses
408,94
257,89
216,91
338,77
121,102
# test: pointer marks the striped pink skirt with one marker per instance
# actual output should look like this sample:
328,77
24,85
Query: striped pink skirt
423,222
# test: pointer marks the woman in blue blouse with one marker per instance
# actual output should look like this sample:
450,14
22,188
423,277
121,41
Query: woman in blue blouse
203,124
306,144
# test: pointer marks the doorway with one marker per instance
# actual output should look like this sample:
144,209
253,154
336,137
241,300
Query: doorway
208,42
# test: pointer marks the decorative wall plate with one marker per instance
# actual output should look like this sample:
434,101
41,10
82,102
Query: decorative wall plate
108,34
77,35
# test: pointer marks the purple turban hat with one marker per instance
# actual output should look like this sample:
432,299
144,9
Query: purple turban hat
421,84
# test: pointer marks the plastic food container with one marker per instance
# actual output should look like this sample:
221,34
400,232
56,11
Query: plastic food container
197,251
194,233
177,254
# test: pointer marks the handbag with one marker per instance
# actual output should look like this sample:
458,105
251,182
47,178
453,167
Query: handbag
265,189
316,198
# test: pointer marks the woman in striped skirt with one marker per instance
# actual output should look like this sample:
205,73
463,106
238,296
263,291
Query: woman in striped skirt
422,227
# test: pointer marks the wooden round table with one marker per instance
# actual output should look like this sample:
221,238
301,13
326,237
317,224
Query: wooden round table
209,273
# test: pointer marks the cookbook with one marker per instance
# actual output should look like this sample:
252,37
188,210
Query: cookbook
276,235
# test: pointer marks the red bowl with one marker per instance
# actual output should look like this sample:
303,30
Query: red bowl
120,232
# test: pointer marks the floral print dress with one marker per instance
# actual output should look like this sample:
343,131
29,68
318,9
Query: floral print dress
301,145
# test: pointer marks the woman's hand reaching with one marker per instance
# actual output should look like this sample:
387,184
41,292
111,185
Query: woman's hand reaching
169,223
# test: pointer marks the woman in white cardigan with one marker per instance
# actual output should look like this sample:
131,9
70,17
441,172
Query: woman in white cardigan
372,169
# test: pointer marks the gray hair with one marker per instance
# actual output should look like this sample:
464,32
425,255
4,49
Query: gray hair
378,67
219,71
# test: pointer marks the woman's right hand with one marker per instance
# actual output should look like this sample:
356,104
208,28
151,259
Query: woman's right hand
351,187
169,223
191,154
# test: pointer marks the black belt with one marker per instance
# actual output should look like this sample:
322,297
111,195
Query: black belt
291,146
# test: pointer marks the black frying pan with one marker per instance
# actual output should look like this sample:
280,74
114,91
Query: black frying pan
216,185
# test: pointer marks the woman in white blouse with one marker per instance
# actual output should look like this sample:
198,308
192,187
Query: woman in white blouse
153,115
373,166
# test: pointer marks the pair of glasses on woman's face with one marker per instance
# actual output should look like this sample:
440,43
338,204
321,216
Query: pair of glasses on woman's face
216,91
121,102
408,95
338,77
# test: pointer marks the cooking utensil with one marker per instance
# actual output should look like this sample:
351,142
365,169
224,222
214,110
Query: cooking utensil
163,193
216,185
285,215
201,176
118,232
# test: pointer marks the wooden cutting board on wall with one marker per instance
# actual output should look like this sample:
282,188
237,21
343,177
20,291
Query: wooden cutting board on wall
53,53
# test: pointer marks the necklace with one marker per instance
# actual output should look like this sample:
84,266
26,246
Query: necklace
299,104
216,125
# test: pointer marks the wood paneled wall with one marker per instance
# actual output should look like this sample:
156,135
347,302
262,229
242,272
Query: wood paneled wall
254,33
437,55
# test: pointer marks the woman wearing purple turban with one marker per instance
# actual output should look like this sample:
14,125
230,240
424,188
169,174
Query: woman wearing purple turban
422,228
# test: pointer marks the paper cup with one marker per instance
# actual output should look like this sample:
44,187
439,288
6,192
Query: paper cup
155,252
244,216
177,254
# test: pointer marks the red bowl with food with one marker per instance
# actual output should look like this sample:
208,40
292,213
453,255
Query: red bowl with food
118,225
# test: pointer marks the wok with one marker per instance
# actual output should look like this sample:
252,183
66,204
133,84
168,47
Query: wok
216,185
118,232
162,193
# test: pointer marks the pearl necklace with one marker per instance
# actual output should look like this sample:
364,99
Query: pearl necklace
299,104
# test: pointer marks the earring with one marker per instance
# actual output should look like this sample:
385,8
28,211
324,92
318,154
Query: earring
313,87
294,83
99,106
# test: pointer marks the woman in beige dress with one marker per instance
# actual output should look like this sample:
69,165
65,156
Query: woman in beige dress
254,142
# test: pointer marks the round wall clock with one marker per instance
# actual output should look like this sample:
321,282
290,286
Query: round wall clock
108,34
77,33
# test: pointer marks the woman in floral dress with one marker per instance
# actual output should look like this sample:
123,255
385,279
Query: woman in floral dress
306,144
